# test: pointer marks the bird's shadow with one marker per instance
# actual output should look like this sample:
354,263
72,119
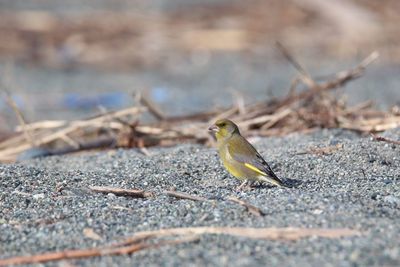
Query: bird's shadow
291,183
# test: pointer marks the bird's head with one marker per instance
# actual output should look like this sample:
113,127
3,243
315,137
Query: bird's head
223,129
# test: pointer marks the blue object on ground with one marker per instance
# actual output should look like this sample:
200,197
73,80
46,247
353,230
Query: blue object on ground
34,152
108,100
159,94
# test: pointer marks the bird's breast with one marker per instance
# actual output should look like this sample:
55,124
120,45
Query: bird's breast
233,167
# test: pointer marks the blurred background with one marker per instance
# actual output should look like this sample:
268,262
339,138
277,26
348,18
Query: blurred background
63,59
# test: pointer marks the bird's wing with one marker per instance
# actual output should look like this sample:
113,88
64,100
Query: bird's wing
242,151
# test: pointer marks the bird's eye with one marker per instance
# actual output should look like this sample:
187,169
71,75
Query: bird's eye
223,124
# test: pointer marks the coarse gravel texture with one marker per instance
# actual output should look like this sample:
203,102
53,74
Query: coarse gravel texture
45,204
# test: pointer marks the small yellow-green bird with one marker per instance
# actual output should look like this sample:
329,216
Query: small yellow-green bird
239,157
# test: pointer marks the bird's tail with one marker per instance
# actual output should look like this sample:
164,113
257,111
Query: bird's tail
273,179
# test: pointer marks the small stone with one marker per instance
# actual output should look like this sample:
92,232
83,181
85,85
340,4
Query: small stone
375,196
392,199
334,142
317,211
386,162
38,196
111,195
392,253
354,256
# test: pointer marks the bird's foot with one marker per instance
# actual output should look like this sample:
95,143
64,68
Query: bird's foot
255,184
239,188
246,186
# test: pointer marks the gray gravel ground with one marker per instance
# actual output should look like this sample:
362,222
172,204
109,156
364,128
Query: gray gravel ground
357,186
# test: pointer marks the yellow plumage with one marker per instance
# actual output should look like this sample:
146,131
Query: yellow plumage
239,157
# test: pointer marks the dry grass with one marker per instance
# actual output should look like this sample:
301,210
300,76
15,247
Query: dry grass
312,108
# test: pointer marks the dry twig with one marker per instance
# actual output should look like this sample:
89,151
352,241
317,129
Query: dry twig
184,196
278,234
18,113
251,208
322,150
155,110
384,139
121,192
306,77
94,252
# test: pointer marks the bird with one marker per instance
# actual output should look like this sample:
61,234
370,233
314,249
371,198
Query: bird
239,157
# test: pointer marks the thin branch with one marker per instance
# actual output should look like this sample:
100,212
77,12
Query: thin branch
239,102
20,116
341,79
142,147
251,208
184,196
384,139
153,108
121,192
273,233
94,252
322,150
306,77
46,137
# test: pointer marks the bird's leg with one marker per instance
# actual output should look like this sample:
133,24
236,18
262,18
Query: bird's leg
253,184
242,185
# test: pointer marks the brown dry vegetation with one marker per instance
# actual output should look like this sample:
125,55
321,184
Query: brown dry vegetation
299,111
131,39
140,40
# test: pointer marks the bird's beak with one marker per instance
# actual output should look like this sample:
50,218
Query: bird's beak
213,128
